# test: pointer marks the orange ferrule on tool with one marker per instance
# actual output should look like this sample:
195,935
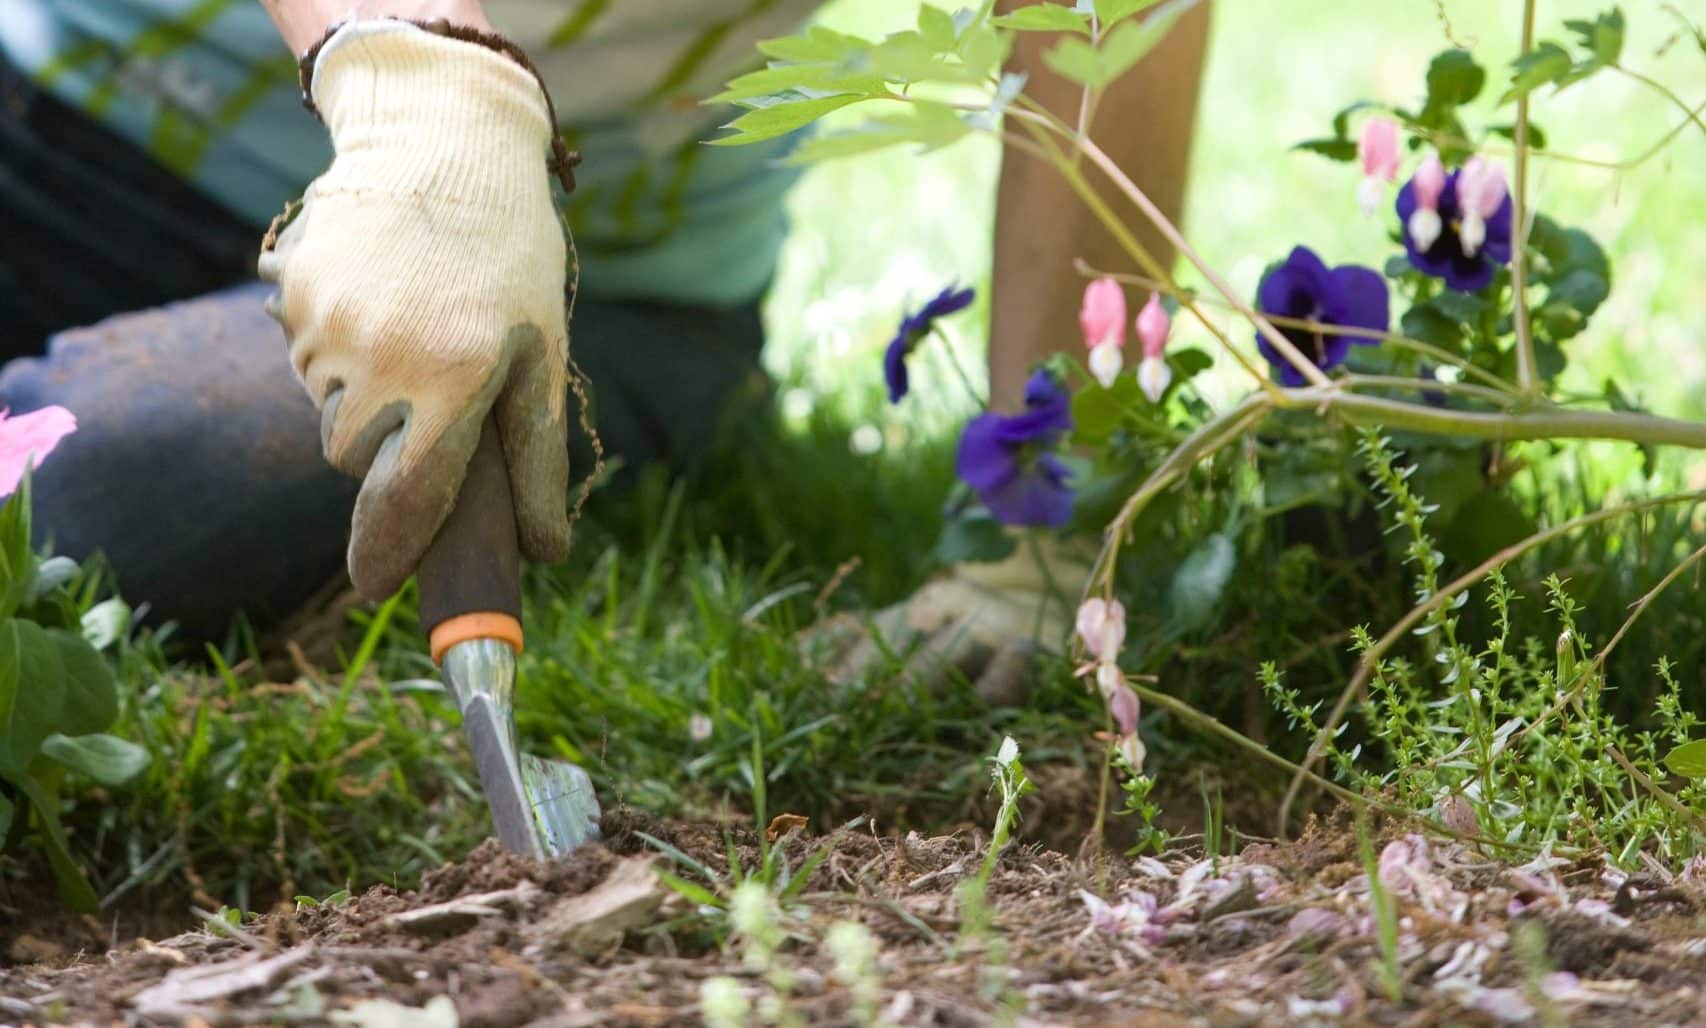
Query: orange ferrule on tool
479,625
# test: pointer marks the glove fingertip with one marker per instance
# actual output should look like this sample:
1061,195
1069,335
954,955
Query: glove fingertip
374,578
537,449
542,521
400,509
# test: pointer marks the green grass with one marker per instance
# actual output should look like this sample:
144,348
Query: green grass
685,599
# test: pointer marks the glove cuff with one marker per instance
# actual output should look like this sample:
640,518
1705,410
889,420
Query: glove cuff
412,109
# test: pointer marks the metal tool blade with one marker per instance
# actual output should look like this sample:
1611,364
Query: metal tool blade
564,805
540,808
501,778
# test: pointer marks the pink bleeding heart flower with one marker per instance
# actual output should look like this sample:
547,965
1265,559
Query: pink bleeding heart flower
1124,706
1481,191
1106,364
1102,316
1429,182
26,440
1134,752
1377,149
1101,624
1153,326
1109,679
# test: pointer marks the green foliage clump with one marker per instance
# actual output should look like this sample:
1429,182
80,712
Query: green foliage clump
1509,737
57,696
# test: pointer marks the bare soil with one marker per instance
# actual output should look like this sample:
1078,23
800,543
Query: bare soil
1280,934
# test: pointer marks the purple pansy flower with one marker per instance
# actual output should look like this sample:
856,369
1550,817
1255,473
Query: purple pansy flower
915,328
1007,458
1467,269
1303,287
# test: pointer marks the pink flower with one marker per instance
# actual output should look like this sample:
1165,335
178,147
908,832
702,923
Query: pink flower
1481,191
1102,316
1153,377
1109,679
1694,872
1101,623
1134,752
1105,363
1402,861
1125,708
1130,916
1430,180
1153,325
1377,148
27,440
1428,183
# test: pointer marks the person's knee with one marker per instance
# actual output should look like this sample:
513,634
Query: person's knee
196,466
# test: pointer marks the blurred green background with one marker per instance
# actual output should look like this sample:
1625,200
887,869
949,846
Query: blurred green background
875,234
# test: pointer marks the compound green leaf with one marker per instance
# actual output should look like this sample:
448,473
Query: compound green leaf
769,122
1045,17
1546,63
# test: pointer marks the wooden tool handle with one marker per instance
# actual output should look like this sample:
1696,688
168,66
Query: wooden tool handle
470,578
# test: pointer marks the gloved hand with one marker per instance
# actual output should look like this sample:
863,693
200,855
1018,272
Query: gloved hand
421,286
989,623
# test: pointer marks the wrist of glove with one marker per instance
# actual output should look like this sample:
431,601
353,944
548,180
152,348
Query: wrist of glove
422,286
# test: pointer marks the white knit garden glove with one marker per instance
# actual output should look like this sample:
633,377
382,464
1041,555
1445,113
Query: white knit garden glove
421,286
987,623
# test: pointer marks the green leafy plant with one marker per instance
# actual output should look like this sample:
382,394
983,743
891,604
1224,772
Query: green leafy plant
1509,739
1489,293
57,696
1135,803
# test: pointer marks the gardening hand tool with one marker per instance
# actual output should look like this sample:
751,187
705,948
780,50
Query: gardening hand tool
470,582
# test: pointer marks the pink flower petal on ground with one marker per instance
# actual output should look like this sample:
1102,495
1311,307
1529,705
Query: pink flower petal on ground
1400,860
1695,870
1506,1006
1102,317
1129,917
1317,925
1377,148
1153,325
1562,987
27,439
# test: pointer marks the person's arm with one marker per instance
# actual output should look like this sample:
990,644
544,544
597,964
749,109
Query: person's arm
1144,123
421,280
303,22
